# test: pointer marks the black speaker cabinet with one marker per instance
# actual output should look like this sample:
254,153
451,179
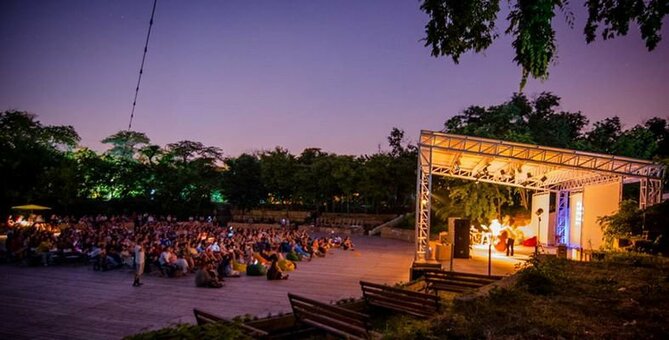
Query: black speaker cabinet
461,242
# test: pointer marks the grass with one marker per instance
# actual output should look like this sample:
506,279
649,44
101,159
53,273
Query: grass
622,297
625,296
189,331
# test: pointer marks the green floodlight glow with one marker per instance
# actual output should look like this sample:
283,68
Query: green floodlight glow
217,197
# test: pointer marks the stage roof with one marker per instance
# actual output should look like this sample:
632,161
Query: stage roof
526,165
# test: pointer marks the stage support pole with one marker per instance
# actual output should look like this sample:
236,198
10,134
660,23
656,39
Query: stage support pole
490,258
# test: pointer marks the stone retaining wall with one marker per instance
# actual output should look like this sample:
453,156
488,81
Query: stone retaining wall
408,235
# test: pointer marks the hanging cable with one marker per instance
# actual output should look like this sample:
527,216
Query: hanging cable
141,67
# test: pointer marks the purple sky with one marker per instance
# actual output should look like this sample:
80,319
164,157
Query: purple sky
249,75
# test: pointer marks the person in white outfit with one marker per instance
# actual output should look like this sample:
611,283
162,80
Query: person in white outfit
139,263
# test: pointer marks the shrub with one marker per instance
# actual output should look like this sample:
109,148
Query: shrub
187,331
541,275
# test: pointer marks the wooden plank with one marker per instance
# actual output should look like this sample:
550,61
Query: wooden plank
397,290
331,329
483,276
367,291
316,310
36,300
346,322
414,303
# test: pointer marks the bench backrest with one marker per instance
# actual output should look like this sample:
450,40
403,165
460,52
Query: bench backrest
401,300
203,318
331,318
467,279
464,275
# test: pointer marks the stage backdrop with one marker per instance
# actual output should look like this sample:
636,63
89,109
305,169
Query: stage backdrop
541,200
598,200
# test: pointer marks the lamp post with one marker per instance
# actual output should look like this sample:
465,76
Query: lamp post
536,244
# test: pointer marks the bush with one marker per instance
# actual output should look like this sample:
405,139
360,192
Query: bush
541,275
634,259
187,331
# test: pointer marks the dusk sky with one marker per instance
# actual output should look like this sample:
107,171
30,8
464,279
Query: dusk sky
251,75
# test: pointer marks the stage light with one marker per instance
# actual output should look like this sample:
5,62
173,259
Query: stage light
544,178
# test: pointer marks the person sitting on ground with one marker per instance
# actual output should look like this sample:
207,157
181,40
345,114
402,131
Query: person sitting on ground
225,267
347,244
203,279
299,249
181,263
274,272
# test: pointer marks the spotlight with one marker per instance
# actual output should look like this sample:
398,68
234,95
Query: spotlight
544,178
539,212
529,175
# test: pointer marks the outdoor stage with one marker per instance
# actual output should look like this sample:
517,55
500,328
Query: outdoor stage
500,263
75,302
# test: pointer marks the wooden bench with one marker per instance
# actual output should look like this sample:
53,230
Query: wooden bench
400,300
330,318
203,318
439,280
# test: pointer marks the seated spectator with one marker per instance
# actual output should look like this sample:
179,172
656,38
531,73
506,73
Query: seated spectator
347,244
204,279
225,267
274,272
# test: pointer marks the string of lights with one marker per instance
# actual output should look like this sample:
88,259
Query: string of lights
141,67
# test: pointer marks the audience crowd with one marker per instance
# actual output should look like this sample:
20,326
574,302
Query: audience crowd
200,246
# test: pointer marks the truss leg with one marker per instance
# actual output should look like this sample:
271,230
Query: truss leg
423,201
651,193
562,223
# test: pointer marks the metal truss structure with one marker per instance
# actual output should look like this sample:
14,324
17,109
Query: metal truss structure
423,204
651,192
521,165
562,225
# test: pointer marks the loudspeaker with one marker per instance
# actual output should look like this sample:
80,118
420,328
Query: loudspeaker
461,242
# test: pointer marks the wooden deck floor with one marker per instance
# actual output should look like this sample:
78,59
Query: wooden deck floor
66,302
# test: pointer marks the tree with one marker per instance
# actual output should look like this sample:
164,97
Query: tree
346,174
125,143
150,152
187,150
242,182
660,130
278,173
457,26
480,202
626,222
403,168
521,120
30,155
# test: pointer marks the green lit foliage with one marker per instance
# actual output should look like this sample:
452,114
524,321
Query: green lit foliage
626,222
539,121
217,196
480,202
534,38
125,143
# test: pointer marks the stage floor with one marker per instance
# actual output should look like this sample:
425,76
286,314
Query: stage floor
75,302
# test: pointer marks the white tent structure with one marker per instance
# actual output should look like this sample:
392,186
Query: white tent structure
587,185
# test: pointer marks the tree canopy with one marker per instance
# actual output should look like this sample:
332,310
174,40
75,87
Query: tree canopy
458,26
44,164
